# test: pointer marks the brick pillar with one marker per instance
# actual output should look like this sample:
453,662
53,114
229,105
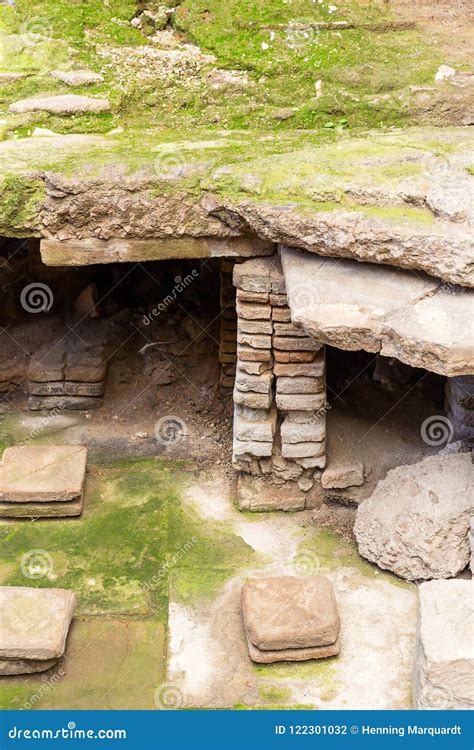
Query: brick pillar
228,335
279,394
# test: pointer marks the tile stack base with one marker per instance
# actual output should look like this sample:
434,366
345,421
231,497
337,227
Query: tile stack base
290,619
71,375
42,481
279,396
33,628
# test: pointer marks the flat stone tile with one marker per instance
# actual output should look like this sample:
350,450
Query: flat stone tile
290,613
34,622
42,473
292,654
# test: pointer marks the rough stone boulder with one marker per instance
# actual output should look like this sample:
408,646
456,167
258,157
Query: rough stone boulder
416,522
443,674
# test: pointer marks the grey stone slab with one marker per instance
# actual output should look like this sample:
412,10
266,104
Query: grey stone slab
9,667
397,313
35,622
444,657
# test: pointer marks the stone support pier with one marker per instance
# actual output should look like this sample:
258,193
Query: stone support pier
279,396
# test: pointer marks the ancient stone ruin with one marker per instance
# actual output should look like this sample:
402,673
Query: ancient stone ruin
237,356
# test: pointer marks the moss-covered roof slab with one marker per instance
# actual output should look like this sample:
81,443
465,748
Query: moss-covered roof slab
404,198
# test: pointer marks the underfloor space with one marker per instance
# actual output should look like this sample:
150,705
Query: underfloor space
378,424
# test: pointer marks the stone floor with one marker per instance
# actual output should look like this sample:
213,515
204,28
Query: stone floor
157,560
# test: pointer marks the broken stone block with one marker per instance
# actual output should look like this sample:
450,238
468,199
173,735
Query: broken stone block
300,385
302,402
444,659
254,368
287,612
33,627
253,400
344,475
416,522
288,329
295,432
305,484
303,450
292,654
66,509
42,473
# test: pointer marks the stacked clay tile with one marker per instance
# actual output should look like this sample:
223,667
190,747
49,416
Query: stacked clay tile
280,382
228,337
69,375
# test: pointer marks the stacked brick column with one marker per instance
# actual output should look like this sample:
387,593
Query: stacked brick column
228,337
279,394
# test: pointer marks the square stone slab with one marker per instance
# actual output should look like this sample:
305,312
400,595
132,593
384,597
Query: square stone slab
292,654
42,473
34,622
290,613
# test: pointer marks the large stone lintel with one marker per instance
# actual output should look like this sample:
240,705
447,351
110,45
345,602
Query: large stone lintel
90,251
